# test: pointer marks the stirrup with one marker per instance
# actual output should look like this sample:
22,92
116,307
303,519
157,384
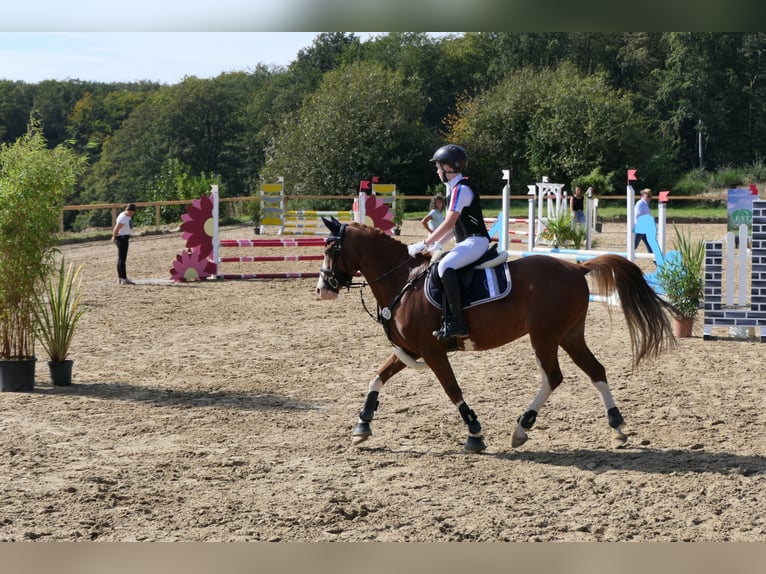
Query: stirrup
449,331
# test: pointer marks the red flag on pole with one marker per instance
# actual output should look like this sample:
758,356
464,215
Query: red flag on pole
663,198
364,184
631,175
375,179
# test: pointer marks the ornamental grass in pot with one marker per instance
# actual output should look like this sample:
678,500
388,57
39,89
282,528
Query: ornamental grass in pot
681,279
57,311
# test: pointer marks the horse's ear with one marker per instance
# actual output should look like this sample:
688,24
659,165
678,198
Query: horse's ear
332,224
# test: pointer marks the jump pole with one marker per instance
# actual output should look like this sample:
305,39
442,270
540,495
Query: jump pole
531,221
505,210
630,219
214,195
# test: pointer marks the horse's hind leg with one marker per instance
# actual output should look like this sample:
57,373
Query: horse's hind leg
363,429
576,347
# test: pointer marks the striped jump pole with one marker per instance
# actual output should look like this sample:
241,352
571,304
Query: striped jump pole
278,242
282,242
257,258
268,275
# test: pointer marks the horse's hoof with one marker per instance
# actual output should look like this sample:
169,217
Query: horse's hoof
475,444
619,439
518,440
362,431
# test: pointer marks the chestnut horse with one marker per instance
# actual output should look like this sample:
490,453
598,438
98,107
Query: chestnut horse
549,300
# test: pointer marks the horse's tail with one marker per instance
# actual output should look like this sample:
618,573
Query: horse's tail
645,312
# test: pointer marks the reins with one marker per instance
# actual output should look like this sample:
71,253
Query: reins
384,314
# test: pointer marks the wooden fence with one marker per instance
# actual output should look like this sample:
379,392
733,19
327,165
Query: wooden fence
116,208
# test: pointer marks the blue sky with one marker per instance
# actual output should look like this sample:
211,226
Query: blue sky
164,57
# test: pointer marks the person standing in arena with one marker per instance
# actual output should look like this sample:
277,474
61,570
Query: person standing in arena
121,238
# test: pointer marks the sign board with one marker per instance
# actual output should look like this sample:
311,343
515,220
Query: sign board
739,206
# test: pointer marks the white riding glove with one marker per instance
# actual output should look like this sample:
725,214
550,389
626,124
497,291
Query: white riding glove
416,248
423,247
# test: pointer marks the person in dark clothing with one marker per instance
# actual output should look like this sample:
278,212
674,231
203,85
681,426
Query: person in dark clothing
121,238
577,207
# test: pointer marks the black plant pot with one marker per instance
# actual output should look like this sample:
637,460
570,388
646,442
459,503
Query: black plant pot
17,375
61,372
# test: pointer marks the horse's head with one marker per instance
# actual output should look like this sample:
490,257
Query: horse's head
334,275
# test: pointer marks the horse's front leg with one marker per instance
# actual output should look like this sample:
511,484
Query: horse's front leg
443,371
363,429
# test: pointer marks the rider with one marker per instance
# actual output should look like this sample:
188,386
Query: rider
465,219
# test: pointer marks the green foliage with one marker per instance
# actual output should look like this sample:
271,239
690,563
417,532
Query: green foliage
682,278
578,236
398,211
363,119
561,233
755,172
562,131
175,181
34,181
254,211
694,182
560,104
57,311
701,181
602,184
728,177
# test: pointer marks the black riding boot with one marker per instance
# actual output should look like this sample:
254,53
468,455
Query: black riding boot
454,322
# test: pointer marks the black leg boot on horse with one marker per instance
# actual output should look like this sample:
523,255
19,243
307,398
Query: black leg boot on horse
454,325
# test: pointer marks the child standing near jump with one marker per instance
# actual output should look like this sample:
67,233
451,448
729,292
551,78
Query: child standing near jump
435,216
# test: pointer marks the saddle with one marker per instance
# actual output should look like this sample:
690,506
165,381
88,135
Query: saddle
486,279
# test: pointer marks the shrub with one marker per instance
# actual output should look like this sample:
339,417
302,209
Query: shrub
695,182
727,177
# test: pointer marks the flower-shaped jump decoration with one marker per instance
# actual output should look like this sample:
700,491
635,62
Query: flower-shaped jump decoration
197,226
377,214
190,266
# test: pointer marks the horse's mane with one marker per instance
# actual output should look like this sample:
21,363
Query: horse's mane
379,235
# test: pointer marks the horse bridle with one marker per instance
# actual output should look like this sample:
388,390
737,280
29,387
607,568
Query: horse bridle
334,279
337,280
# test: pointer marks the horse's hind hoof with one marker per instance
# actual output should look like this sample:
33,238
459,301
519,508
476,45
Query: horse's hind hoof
475,444
518,440
619,438
362,431
619,441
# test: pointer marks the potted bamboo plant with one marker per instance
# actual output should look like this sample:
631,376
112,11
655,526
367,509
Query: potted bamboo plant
34,181
57,312
254,209
397,214
681,279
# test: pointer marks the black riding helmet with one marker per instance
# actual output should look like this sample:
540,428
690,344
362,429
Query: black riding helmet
451,155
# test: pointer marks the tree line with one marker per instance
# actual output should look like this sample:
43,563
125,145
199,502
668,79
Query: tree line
576,107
